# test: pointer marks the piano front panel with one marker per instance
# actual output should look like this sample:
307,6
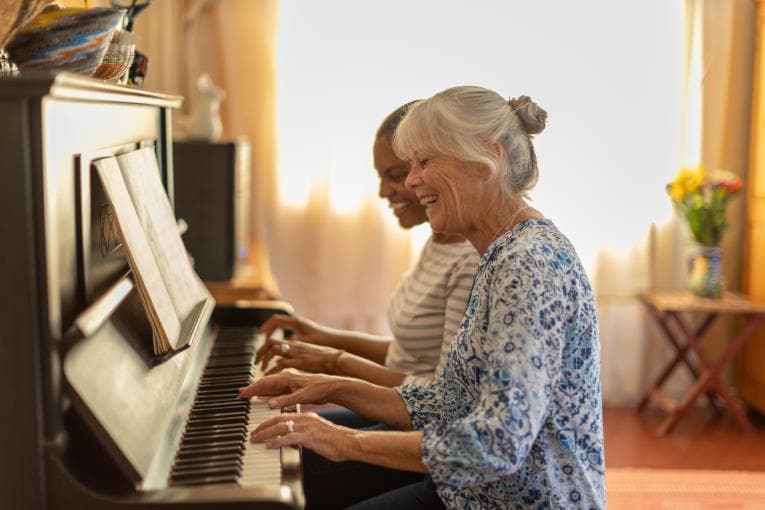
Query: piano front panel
100,129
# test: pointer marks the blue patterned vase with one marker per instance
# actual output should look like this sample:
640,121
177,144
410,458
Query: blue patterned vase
705,278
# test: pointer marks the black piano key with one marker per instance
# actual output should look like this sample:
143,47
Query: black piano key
206,430
233,460
221,458
230,361
209,438
223,394
216,414
231,352
213,382
206,480
230,370
207,471
216,429
226,383
233,405
220,400
217,421
209,410
208,452
197,463
222,446
220,387
217,399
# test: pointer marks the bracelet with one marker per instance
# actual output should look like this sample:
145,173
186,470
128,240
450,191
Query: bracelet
333,361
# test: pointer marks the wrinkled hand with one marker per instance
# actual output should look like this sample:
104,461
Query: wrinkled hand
303,329
291,387
302,356
308,429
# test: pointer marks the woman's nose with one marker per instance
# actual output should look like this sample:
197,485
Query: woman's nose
414,178
384,190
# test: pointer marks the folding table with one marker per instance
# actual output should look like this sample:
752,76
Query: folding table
673,310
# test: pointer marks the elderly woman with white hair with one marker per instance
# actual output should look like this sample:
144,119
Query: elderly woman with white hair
515,419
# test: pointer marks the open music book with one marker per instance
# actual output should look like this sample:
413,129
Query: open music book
172,293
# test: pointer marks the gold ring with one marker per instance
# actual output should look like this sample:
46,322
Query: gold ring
285,349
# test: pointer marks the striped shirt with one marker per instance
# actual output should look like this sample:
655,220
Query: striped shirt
426,308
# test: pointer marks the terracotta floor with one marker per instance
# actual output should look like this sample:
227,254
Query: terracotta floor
700,441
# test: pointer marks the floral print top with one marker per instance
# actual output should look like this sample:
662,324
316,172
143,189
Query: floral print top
515,420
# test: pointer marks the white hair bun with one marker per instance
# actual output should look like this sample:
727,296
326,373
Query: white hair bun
531,115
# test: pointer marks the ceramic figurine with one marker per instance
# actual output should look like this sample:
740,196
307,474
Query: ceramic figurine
203,123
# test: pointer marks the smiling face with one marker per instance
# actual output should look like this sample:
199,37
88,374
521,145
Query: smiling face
393,172
452,192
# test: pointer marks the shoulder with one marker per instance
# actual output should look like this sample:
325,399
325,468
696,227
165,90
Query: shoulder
534,252
537,242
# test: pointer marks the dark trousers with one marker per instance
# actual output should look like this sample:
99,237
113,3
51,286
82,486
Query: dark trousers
334,485
347,418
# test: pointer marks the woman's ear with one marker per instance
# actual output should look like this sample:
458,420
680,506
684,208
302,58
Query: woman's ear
498,152
496,155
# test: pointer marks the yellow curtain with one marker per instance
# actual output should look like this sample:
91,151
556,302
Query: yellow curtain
727,70
232,41
727,60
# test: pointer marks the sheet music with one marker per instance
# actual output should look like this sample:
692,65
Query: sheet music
141,173
165,322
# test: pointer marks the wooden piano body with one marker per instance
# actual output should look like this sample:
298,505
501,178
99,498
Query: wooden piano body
92,420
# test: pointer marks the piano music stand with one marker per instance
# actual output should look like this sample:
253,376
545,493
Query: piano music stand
668,307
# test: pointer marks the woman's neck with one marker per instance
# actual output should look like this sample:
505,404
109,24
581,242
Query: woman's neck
441,238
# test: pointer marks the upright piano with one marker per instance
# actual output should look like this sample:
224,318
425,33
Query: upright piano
91,418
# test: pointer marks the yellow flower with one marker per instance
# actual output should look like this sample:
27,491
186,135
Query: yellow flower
686,181
676,191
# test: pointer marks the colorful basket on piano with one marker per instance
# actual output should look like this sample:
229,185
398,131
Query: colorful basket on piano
70,39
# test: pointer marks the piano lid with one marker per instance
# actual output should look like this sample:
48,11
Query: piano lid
65,85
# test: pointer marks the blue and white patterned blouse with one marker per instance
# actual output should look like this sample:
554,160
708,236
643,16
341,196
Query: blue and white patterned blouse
515,421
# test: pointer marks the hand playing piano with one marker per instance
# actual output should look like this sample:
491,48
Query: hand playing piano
302,329
291,387
300,355
309,429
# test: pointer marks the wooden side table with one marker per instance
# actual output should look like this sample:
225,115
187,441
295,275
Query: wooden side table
674,307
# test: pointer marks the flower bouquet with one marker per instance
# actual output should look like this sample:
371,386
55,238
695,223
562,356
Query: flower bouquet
701,197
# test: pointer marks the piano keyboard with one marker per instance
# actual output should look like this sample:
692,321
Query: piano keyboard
215,447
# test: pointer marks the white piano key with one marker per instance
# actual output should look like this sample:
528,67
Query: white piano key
260,465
